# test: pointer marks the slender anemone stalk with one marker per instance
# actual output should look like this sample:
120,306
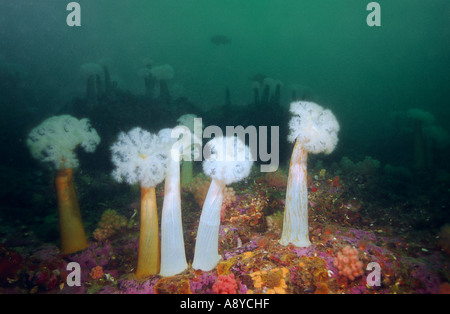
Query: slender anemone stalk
173,256
149,79
163,73
140,157
314,130
92,71
256,86
230,162
419,119
196,127
54,141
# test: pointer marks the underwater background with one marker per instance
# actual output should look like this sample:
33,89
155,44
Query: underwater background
368,194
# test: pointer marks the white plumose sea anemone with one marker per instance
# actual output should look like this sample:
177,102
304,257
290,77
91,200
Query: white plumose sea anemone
163,72
420,121
92,72
314,130
230,161
195,125
188,120
89,69
427,137
144,72
138,158
423,116
55,139
141,157
173,256
438,135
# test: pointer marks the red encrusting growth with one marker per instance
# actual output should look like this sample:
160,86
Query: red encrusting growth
348,263
226,284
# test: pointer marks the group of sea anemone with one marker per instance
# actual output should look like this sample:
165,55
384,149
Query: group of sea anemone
155,79
426,135
148,159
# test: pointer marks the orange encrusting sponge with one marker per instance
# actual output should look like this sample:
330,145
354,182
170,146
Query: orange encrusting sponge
73,238
149,255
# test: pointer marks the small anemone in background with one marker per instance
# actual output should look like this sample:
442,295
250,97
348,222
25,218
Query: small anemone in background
162,74
195,126
427,137
92,72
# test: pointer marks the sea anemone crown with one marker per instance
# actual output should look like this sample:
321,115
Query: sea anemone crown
56,138
229,161
316,128
139,157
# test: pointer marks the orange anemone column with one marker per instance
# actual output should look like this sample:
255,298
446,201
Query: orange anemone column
71,228
149,248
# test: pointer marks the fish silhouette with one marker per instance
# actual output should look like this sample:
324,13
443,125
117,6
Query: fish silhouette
220,40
